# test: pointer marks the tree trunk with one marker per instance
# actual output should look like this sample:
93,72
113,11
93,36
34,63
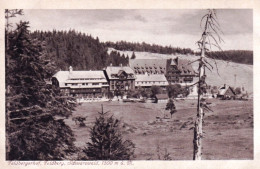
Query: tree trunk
197,141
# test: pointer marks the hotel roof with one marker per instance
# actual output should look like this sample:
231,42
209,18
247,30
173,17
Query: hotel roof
159,66
116,70
79,77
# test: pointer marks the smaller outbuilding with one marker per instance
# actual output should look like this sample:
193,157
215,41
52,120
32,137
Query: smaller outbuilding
226,92
161,98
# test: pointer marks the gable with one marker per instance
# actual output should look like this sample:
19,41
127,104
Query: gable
122,74
230,92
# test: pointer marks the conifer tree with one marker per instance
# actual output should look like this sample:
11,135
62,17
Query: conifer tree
107,142
133,55
33,130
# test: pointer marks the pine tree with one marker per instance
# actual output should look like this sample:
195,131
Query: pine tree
133,55
107,142
33,130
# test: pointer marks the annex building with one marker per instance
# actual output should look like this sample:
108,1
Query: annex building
86,84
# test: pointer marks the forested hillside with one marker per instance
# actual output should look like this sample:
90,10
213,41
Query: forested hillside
81,51
84,52
145,47
238,56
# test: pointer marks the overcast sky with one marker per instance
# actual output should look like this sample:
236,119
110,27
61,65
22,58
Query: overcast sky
175,27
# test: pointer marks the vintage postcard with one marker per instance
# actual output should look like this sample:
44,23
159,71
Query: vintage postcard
145,84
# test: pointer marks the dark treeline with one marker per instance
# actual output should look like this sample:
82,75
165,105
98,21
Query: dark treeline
238,56
81,51
145,47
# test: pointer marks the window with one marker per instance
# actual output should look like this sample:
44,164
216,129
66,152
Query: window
66,84
104,83
95,84
74,84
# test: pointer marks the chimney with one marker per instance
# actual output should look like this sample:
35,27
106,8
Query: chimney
111,64
121,65
70,69
224,85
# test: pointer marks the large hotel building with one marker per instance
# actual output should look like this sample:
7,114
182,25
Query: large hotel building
141,73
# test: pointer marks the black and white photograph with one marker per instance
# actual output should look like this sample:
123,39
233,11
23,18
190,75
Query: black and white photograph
127,85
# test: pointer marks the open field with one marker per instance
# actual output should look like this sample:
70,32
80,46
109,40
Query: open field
228,130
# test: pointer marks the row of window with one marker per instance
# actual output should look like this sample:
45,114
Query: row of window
174,72
84,84
122,87
87,79
150,82
149,72
127,76
148,67
119,82
84,90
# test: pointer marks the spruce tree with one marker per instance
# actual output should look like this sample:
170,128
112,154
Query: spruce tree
34,131
133,55
107,142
